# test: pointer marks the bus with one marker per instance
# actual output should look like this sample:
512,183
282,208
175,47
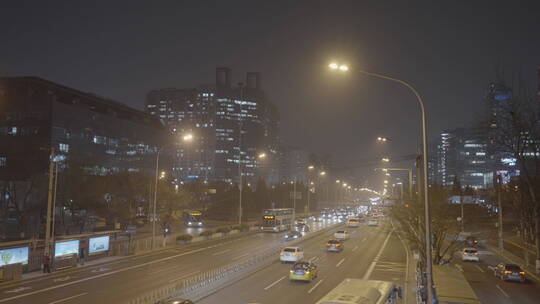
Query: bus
362,291
193,218
276,220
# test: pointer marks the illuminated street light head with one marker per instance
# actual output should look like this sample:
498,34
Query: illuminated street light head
311,167
188,137
333,66
343,68
386,159
323,173
262,155
337,181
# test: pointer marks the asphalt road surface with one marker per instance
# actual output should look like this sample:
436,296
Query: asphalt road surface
371,253
122,280
492,290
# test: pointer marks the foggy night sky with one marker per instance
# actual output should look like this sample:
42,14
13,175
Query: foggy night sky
449,52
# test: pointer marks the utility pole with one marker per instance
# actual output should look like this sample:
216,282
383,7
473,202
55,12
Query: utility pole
294,195
499,203
240,182
154,217
49,204
308,191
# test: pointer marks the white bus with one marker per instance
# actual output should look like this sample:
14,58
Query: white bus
276,220
362,291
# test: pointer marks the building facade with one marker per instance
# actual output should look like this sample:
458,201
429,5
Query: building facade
235,129
98,135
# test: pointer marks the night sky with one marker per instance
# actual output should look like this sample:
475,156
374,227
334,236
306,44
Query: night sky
449,52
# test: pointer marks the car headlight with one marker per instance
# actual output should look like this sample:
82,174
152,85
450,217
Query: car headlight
200,224
189,223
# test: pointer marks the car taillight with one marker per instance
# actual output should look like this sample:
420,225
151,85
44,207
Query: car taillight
338,245
507,272
522,272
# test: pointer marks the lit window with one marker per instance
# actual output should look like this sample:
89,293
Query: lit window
3,161
63,147
12,131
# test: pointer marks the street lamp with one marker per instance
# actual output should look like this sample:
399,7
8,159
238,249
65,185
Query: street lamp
337,181
311,167
262,155
186,138
344,68
385,159
323,173
383,139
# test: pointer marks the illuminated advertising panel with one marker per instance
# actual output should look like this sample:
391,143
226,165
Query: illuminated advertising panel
98,244
66,248
14,256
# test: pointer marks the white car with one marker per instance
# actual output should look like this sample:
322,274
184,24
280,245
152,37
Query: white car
291,254
341,235
373,223
470,254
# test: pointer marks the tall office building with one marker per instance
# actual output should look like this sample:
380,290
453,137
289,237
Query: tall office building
215,117
462,153
189,116
499,102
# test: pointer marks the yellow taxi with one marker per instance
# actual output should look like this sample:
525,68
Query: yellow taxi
303,271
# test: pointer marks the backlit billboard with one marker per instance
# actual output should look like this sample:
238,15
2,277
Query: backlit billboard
13,256
65,248
98,244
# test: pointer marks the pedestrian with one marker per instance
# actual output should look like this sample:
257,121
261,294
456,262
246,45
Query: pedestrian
46,264
81,256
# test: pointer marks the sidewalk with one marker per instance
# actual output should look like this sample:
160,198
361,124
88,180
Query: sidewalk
37,274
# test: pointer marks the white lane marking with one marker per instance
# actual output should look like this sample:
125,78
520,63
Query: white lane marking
69,298
481,270
221,252
355,247
372,266
313,259
102,275
315,286
100,269
18,289
272,285
240,256
340,262
503,292
62,279
184,276
459,267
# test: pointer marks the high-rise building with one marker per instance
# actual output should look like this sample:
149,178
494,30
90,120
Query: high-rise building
189,114
499,102
462,154
232,125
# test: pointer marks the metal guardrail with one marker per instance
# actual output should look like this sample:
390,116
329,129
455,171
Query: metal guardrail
201,285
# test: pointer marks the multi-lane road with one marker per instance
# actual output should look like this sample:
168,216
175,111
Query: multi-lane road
490,289
373,253
121,280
